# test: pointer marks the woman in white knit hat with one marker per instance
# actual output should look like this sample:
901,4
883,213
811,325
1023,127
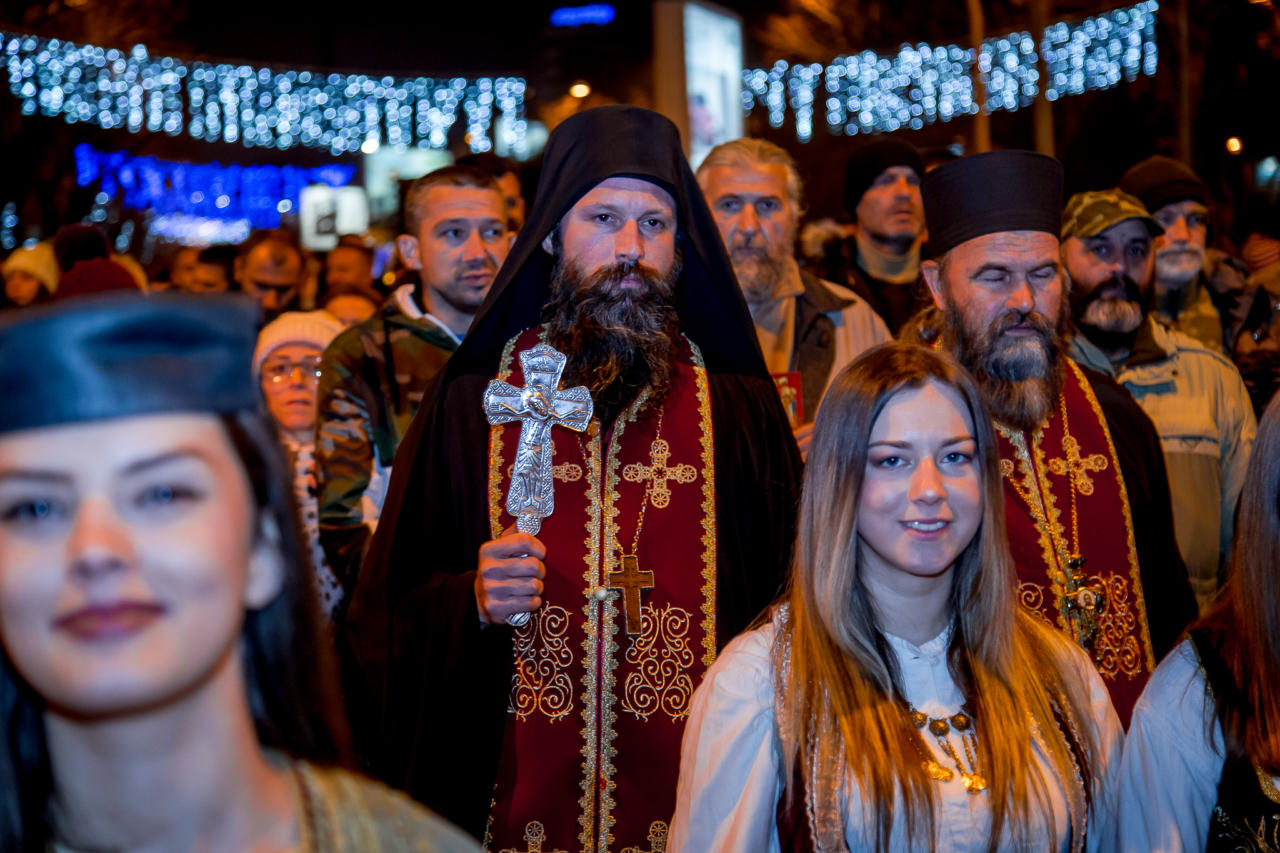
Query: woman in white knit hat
287,364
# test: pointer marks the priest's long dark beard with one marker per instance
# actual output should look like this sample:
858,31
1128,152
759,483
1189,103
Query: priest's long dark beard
616,341
1021,379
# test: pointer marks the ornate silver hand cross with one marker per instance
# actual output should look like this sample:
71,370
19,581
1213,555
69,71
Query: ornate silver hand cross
538,406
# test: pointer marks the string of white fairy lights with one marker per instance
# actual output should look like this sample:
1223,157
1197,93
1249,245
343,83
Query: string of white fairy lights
872,93
257,106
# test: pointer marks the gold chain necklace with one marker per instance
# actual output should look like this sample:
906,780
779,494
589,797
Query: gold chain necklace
941,727
1078,600
629,579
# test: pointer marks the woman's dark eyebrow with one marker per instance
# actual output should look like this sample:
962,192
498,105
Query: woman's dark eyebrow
53,477
149,462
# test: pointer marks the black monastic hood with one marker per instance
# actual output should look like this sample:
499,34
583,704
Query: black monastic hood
587,148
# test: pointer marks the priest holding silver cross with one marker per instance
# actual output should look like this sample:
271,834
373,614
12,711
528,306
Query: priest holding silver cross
656,533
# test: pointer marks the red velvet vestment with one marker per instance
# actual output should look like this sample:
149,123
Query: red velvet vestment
1071,533
591,747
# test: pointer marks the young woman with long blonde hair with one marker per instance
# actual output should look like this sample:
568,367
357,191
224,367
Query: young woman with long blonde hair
899,698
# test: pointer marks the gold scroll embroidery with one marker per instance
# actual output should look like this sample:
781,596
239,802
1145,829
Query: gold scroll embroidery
541,682
660,680
1263,838
1116,649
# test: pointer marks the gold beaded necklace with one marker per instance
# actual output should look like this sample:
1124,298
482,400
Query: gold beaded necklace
941,727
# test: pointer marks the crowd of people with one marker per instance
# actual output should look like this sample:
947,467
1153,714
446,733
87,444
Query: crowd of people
634,517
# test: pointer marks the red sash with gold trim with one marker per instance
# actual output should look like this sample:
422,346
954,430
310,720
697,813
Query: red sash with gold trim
1071,534
591,749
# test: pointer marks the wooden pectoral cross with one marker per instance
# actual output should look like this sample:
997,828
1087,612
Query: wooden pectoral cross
540,405
630,580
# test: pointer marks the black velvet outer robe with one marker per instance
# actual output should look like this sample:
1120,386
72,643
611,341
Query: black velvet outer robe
429,686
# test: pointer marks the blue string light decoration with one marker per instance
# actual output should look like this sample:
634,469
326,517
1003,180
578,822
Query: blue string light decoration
253,195
919,85
256,106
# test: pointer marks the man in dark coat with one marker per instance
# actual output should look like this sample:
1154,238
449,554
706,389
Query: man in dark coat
684,485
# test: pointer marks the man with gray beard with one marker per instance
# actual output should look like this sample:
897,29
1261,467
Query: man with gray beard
808,329
1194,396
1200,291
1086,496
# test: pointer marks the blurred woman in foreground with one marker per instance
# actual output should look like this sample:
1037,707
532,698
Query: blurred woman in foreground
162,684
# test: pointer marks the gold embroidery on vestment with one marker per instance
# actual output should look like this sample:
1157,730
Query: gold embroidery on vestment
495,450
608,699
1264,838
657,472
707,439
567,472
535,835
657,839
1076,467
591,617
660,680
543,657
1135,575
1112,645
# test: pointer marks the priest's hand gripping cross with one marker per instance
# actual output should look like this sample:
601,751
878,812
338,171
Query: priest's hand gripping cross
539,405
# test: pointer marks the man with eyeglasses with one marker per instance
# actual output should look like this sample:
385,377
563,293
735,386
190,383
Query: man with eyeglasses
271,267
1199,291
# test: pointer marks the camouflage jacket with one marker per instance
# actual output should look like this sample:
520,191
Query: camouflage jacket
372,380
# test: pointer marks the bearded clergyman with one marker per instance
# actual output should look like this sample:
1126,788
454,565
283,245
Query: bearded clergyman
1086,494
672,523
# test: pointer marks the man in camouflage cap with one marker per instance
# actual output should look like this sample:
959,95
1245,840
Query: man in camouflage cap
1193,394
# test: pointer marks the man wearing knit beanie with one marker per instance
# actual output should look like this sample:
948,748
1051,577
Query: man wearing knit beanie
1198,291
882,194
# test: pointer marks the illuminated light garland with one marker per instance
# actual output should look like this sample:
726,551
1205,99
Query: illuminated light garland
871,93
205,192
256,106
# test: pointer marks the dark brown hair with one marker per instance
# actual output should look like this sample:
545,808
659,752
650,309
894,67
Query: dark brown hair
1244,623
289,668
449,176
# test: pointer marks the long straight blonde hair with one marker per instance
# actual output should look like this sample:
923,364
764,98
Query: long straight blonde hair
840,704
